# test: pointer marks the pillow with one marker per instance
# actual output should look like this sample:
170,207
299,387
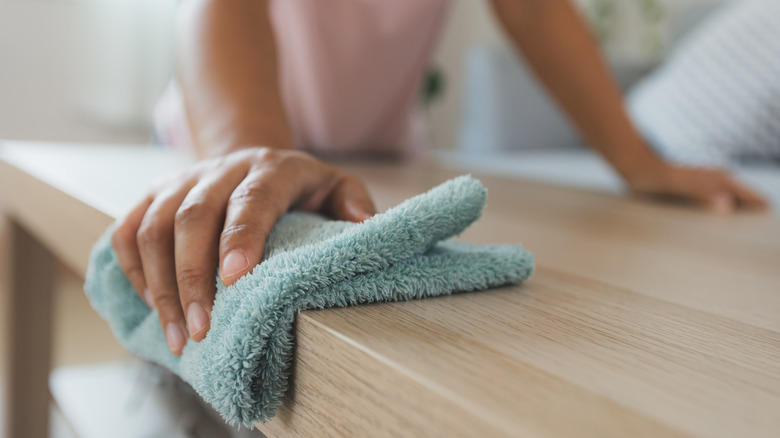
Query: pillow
717,97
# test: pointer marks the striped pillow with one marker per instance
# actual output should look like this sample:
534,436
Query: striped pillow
717,96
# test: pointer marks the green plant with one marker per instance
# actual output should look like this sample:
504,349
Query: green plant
603,15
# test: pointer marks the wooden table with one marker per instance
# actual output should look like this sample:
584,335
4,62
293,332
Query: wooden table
642,319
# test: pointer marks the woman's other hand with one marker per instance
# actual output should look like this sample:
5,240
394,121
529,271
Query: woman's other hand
715,190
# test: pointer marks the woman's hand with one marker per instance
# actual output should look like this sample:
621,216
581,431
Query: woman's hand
220,212
713,189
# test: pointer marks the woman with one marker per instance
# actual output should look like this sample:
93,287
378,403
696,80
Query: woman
263,81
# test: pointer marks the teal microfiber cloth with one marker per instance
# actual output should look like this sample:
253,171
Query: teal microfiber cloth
242,365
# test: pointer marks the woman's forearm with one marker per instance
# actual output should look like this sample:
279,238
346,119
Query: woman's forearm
227,69
561,51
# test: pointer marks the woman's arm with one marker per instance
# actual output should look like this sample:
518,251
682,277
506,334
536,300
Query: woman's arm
227,69
220,211
561,51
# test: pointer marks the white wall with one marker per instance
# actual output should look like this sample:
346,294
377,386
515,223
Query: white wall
80,70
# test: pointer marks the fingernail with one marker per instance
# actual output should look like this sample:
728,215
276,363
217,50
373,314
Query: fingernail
358,212
197,319
175,337
149,298
235,262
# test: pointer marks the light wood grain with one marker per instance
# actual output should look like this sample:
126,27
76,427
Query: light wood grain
662,305
723,264
63,224
643,319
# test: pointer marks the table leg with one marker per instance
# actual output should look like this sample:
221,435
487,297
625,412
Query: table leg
32,275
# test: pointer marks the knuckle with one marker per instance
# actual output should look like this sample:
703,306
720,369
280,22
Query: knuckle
233,233
190,212
134,271
190,278
279,159
151,235
251,193
119,237
266,155
244,237
169,306
216,162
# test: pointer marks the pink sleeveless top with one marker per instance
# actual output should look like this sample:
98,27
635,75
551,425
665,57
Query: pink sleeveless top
350,74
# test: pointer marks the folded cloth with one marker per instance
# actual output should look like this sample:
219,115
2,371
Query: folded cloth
242,365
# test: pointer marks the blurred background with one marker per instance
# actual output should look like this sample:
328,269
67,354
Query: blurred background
91,70
82,70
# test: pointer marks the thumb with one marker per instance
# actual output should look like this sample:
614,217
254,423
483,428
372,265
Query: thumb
350,201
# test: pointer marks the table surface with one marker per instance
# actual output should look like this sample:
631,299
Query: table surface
641,320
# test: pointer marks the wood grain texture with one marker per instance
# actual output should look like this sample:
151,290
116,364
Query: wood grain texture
668,316
560,356
643,319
